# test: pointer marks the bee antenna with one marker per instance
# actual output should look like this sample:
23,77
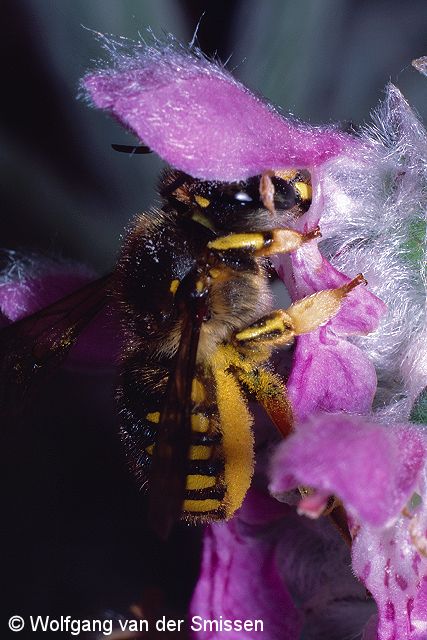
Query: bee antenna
131,149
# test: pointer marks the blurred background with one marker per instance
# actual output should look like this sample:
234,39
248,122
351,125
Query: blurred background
65,190
77,540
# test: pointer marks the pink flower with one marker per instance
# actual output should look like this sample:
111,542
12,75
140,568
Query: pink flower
197,117
375,470
268,562
241,578
330,373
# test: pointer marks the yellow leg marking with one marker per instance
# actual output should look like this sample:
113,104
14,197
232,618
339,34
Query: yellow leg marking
200,217
198,391
200,506
174,286
303,316
200,452
202,202
150,449
246,241
237,442
278,321
198,481
286,241
199,423
200,286
153,417
311,312
264,244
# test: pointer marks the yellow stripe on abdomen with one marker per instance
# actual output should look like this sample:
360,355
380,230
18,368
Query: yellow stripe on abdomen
199,423
201,506
200,452
199,481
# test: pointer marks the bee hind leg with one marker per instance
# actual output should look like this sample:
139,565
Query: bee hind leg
269,390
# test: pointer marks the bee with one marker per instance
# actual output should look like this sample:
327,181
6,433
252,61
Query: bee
192,292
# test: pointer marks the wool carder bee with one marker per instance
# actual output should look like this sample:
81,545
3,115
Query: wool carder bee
192,293
196,314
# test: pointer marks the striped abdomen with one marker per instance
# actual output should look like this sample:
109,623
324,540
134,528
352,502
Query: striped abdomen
220,458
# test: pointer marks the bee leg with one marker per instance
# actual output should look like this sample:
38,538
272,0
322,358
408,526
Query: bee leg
264,243
269,391
305,315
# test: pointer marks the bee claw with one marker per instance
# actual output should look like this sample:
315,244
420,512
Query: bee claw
313,234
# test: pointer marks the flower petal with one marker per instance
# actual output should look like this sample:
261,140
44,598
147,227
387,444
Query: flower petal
395,572
198,118
231,562
373,469
371,205
306,271
250,563
330,374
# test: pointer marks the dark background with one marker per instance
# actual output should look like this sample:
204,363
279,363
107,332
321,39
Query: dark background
63,187
76,539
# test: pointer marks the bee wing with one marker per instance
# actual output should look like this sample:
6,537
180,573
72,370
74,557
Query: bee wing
170,456
39,343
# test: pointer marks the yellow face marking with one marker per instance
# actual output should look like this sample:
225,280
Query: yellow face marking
200,286
153,417
305,191
238,241
198,481
202,202
200,506
150,449
198,392
174,286
199,423
200,452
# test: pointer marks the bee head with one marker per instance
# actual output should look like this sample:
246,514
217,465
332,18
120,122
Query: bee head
231,204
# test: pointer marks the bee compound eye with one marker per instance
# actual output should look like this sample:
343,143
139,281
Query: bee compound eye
285,195
243,197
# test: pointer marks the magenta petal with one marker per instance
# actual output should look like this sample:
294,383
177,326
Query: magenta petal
360,312
307,271
373,469
199,119
330,374
394,571
240,581
392,563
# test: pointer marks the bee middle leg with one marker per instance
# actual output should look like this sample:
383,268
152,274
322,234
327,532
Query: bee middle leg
281,326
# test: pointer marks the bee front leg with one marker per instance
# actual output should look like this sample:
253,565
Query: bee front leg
281,326
263,243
